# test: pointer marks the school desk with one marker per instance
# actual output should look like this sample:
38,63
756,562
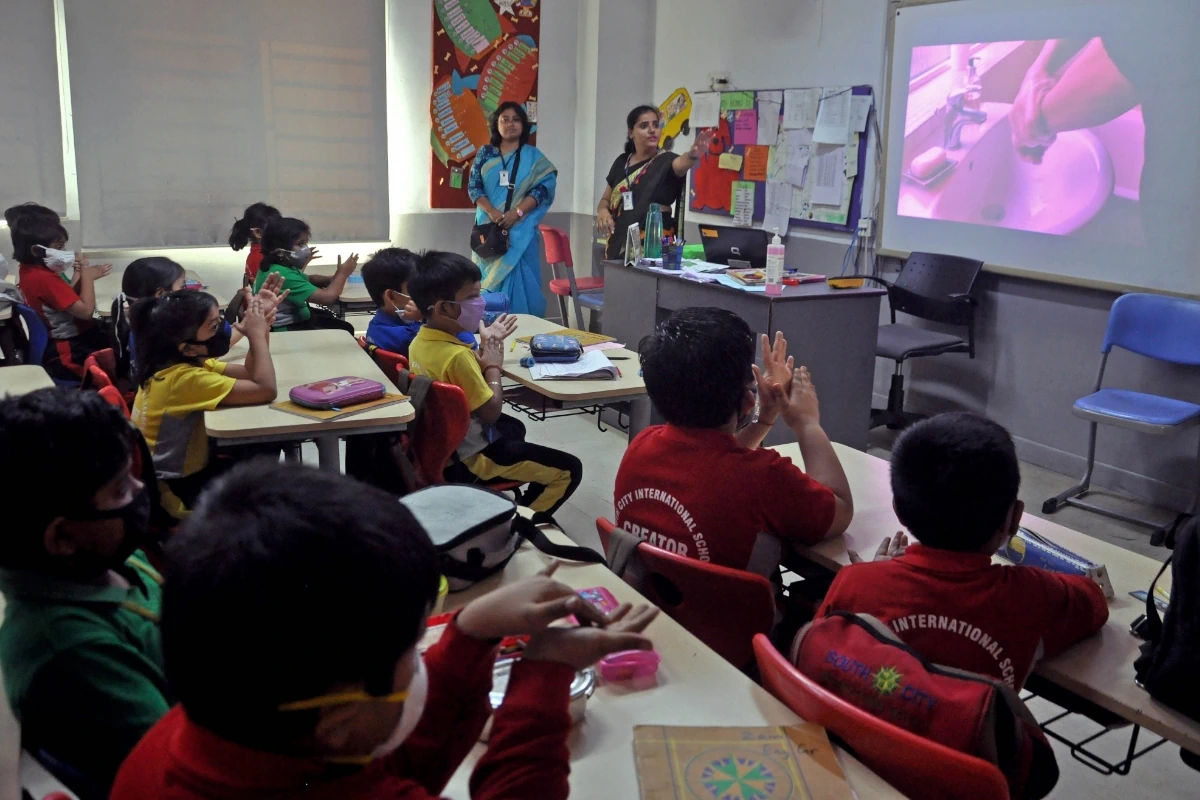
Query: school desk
23,379
832,332
303,357
695,687
628,388
1100,668
108,287
354,296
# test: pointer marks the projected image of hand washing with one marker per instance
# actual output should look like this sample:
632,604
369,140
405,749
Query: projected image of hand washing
1040,136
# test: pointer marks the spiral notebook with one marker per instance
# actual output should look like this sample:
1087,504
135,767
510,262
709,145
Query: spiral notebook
593,366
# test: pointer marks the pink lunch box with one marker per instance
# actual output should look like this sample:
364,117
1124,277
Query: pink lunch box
336,393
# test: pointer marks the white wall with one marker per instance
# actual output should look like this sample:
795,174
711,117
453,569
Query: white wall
771,44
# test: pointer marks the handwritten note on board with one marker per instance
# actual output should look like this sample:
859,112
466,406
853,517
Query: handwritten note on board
743,203
737,101
768,120
745,127
756,162
800,108
833,117
860,110
778,207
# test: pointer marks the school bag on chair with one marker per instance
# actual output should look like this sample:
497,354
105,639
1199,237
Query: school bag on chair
1170,661
477,531
862,661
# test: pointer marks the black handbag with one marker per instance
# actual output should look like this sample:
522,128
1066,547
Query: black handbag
489,240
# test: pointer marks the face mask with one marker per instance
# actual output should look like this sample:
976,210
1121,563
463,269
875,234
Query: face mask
297,258
218,345
61,260
136,518
471,313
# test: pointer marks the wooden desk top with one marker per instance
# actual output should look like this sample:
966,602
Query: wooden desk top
355,291
23,379
1099,668
302,357
695,687
805,291
108,287
630,383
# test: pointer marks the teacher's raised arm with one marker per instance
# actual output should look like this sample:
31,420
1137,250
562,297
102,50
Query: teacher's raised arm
643,177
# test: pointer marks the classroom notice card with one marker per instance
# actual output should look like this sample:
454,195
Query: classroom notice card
706,110
833,118
780,763
800,108
742,201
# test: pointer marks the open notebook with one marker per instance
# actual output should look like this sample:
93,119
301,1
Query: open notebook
593,366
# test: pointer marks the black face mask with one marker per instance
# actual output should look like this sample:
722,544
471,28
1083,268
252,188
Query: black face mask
218,345
135,515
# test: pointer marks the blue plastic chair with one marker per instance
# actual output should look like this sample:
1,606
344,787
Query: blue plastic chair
39,339
1162,328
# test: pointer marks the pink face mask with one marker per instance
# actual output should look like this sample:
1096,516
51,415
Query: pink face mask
470,313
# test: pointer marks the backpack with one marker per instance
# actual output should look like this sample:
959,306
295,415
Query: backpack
1170,659
384,460
477,531
864,662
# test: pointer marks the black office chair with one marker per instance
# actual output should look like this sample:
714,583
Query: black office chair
930,286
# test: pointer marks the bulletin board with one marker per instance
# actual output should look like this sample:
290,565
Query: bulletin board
484,54
750,164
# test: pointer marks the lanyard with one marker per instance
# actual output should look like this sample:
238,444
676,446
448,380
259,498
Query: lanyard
504,164
628,185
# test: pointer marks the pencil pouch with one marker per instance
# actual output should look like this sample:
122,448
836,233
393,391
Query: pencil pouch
336,393
548,349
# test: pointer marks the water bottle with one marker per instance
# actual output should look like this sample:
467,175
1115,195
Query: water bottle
654,232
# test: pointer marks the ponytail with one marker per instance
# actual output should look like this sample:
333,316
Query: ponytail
258,216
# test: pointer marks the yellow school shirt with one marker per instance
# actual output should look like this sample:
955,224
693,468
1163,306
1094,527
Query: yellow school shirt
443,357
169,411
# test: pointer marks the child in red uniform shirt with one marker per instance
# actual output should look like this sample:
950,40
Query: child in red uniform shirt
293,603
700,485
65,307
248,231
954,482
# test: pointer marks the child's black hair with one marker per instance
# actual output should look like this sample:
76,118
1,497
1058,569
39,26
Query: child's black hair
31,231
631,122
282,584
954,478
42,433
697,366
142,278
439,276
15,215
389,268
257,215
280,234
509,105
161,324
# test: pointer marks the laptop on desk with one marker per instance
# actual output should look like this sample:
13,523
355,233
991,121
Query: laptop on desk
743,248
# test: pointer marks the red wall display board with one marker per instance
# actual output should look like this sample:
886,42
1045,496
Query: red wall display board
485,52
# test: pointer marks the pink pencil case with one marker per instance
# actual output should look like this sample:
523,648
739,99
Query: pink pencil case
336,393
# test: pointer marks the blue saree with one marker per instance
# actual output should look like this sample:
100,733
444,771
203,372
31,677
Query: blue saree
517,273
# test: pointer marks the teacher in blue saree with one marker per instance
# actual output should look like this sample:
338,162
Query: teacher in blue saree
510,162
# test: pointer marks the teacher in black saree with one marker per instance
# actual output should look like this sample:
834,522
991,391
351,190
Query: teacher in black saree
641,177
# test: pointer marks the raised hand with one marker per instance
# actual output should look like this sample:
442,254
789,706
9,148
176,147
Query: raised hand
491,351
891,547
803,407
501,328
348,266
254,320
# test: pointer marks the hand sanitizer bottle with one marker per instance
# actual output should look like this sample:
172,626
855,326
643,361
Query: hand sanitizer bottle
775,253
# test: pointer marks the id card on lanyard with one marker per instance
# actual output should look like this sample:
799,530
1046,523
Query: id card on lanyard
627,200
627,192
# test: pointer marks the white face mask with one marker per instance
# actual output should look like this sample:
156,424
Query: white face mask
61,260
414,707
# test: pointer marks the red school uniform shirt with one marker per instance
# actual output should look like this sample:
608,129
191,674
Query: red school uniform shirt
253,260
49,294
961,610
527,753
699,493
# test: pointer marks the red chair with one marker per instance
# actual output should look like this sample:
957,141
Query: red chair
916,766
440,430
112,395
391,363
722,607
95,378
558,254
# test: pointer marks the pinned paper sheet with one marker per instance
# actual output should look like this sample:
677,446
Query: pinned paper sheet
729,161
860,110
706,110
800,108
770,96
833,118
768,120
777,162
742,197
828,174
756,162
778,209
745,127
799,146
736,101
852,156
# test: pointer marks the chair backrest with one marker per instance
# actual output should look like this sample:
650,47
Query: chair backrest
605,529
94,377
39,337
1164,328
440,430
558,245
106,362
112,395
916,766
391,363
722,607
936,287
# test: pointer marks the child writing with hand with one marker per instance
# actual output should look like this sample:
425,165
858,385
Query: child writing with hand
286,252
292,610
179,338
